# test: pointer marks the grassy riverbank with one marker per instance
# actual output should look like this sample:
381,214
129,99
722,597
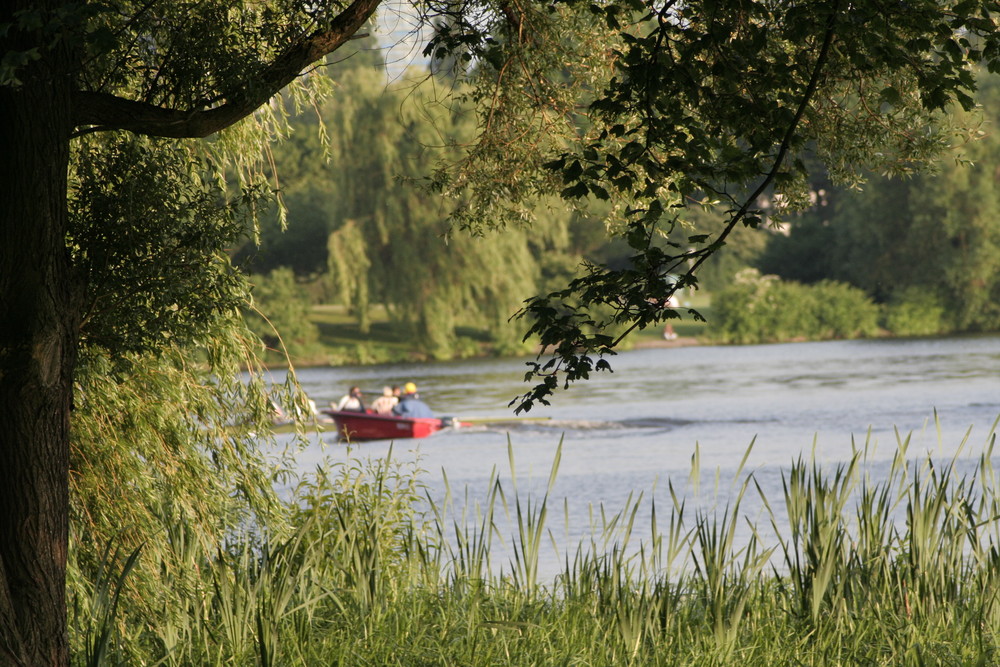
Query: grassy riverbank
901,570
342,342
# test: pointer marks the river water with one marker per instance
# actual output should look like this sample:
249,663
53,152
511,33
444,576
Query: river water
641,427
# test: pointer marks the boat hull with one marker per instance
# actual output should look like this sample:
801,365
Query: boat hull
357,426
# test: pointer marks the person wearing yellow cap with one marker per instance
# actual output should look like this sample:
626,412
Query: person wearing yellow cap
410,404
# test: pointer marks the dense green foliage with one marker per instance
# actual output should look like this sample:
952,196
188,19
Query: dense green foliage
164,458
164,455
162,340
391,243
148,231
763,309
280,314
797,135
120,339
914,312
376,235
824,84
930,242
899,570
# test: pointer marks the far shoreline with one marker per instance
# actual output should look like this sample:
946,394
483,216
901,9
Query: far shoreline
654,343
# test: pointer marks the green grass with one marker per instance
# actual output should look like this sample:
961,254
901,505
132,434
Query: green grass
338,327
361,579
341,341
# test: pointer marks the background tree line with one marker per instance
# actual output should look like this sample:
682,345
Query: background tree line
924,246
377,234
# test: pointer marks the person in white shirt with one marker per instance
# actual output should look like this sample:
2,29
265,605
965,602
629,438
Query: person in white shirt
351,402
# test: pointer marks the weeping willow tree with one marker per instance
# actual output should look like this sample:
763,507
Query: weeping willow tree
162,455
394,242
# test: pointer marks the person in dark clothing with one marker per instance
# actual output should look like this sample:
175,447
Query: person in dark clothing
410,404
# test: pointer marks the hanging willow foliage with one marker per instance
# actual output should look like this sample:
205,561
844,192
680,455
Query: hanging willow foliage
349,267
393,241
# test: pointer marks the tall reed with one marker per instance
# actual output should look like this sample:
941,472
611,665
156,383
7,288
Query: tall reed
894,566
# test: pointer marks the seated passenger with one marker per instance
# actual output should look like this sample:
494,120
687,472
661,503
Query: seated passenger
384,404
351,402
410,404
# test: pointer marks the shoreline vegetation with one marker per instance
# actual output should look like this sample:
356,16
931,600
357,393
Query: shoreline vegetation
899,569
752,309
340,341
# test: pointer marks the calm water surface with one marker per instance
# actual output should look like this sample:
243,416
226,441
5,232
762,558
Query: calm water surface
638,428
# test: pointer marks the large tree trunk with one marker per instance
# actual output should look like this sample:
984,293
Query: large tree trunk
37,354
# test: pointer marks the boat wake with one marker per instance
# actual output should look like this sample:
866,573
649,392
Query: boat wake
586,425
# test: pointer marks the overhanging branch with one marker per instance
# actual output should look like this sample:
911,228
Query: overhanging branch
786,141
102,111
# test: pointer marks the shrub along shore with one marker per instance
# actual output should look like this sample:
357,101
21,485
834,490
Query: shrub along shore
897,570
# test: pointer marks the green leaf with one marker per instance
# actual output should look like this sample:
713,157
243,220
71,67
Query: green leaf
599,192
890,95
575,192
572,172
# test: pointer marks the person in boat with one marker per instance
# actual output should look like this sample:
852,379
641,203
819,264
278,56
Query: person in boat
384,404
351,402
668,328
410,404
278,415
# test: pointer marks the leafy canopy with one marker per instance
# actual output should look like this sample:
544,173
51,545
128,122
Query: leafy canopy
688,103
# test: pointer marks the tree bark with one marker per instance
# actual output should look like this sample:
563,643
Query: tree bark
37,355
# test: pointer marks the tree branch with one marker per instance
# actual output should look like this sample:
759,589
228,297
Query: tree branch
786,142
103,111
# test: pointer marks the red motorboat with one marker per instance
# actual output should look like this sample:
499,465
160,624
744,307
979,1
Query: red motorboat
355,426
